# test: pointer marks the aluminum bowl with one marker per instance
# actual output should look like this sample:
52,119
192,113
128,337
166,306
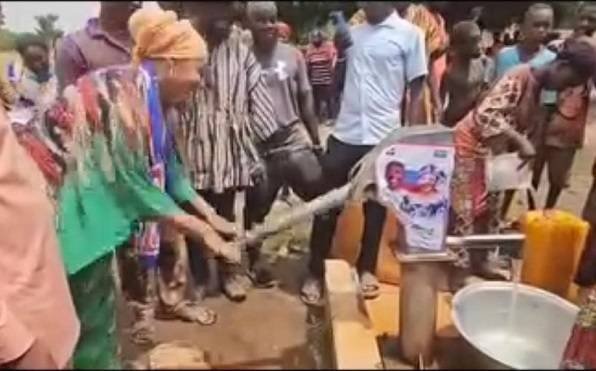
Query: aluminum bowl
534,338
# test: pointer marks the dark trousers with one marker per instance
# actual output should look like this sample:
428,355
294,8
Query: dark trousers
323,95
299,169
202,272
586,271
337,163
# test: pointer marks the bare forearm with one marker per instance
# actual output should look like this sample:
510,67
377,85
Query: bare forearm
307,106
435,95
202,208
414,108
196,229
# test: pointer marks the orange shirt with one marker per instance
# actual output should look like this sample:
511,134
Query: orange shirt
35,302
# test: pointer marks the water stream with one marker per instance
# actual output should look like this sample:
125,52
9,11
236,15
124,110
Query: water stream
516,265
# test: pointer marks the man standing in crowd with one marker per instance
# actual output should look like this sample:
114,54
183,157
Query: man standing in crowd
564,133
290,155
320,60
468,75
387,56
227,117
105,41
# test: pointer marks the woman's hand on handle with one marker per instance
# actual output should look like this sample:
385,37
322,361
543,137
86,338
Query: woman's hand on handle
204,232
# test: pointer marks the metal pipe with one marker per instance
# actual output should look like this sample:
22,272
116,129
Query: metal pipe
485,239
319,205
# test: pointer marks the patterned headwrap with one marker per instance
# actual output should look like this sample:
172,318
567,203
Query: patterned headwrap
159,34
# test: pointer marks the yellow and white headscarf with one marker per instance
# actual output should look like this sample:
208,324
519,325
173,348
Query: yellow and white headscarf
159,34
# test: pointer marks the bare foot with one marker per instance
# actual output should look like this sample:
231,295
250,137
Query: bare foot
190,312
233,288
369,285
312,291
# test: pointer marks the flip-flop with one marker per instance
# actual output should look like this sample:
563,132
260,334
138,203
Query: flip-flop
262,278
143,334
234,289
311,292
369,286
190,312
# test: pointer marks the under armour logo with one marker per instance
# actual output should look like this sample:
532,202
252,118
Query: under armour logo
280,70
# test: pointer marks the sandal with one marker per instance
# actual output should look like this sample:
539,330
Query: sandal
234,288
369,286
262,278
190,312
143,333
312,291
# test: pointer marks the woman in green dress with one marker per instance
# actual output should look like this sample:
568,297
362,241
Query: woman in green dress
109,155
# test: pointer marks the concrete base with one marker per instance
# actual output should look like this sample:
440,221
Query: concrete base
353,336
358,327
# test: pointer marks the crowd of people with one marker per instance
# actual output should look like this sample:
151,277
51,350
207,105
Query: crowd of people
160,135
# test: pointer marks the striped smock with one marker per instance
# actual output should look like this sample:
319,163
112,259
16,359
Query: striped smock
230,113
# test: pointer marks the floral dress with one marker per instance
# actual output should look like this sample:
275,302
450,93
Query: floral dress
580,353
510,103
102,167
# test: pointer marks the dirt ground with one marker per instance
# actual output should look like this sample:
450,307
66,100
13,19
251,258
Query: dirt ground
268,330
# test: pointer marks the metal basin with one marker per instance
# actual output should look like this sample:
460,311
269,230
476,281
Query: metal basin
534,337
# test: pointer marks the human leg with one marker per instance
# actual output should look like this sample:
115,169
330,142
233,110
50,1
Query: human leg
560,162
172,282
318,100
586,270
374,221
138,287
336,164
93,293
259,200
204,267
329,101
231,274
538,168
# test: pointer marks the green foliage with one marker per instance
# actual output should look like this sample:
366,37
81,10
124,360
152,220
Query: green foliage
303,16
496,16
46,27
7,40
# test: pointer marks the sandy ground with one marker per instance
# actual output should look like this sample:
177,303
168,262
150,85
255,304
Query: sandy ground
268,330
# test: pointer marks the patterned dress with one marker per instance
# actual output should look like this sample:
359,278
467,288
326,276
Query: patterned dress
510,103
102,130
580,353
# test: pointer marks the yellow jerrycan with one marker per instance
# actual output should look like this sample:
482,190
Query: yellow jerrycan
348,234
554,243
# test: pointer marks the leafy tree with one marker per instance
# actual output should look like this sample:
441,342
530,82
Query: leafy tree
46,28
7,40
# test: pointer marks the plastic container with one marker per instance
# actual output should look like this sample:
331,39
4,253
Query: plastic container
554,242
348,234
